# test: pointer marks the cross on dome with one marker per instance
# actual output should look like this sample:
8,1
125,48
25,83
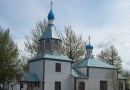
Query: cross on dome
51,3
89,38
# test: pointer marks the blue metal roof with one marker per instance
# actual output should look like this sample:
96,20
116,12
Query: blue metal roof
51,15
50,57
50,32
77,74
91,63
32,77
89,46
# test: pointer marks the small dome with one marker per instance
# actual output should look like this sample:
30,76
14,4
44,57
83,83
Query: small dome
51,15
89,46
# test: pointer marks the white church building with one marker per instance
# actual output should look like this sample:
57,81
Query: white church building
50,70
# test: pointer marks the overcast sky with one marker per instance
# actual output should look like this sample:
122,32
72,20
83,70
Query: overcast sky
107,21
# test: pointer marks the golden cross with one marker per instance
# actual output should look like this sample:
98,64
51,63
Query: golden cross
51,3
89,38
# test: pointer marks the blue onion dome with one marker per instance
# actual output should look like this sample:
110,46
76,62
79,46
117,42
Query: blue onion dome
89,46
51,15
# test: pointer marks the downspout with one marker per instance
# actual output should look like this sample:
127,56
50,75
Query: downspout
75,83
43,74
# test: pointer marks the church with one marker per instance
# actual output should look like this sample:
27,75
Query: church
50,70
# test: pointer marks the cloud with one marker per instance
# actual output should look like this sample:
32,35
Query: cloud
21,16
126,67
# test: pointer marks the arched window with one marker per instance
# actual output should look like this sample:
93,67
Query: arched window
47,45
55,45
39,47
89,51
43,45
60,46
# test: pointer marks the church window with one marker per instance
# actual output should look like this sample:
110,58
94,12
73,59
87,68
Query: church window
36,84
47,45
42,43
81,85
88,51
38,46
91,51
55,45
60,46
21,85
103,85
57,85
58,67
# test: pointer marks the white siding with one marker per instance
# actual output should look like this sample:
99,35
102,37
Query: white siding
37,67
100,74
67,82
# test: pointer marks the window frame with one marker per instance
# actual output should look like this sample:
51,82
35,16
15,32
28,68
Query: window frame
81,85
47,45
21,85
104,84
58,67
56,85
56,45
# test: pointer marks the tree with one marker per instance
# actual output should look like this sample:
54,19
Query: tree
9,61
24,64
110,55
25,67
31,44
72,45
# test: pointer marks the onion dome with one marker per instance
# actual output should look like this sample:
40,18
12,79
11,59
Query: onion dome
89,46
51,15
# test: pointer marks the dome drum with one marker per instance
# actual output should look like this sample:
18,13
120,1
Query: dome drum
50,46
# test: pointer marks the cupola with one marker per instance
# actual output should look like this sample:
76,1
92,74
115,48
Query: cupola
50,41
89,49
51,16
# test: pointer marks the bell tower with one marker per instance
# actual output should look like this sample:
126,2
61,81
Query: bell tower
50,41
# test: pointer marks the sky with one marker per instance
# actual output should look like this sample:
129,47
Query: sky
106,21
